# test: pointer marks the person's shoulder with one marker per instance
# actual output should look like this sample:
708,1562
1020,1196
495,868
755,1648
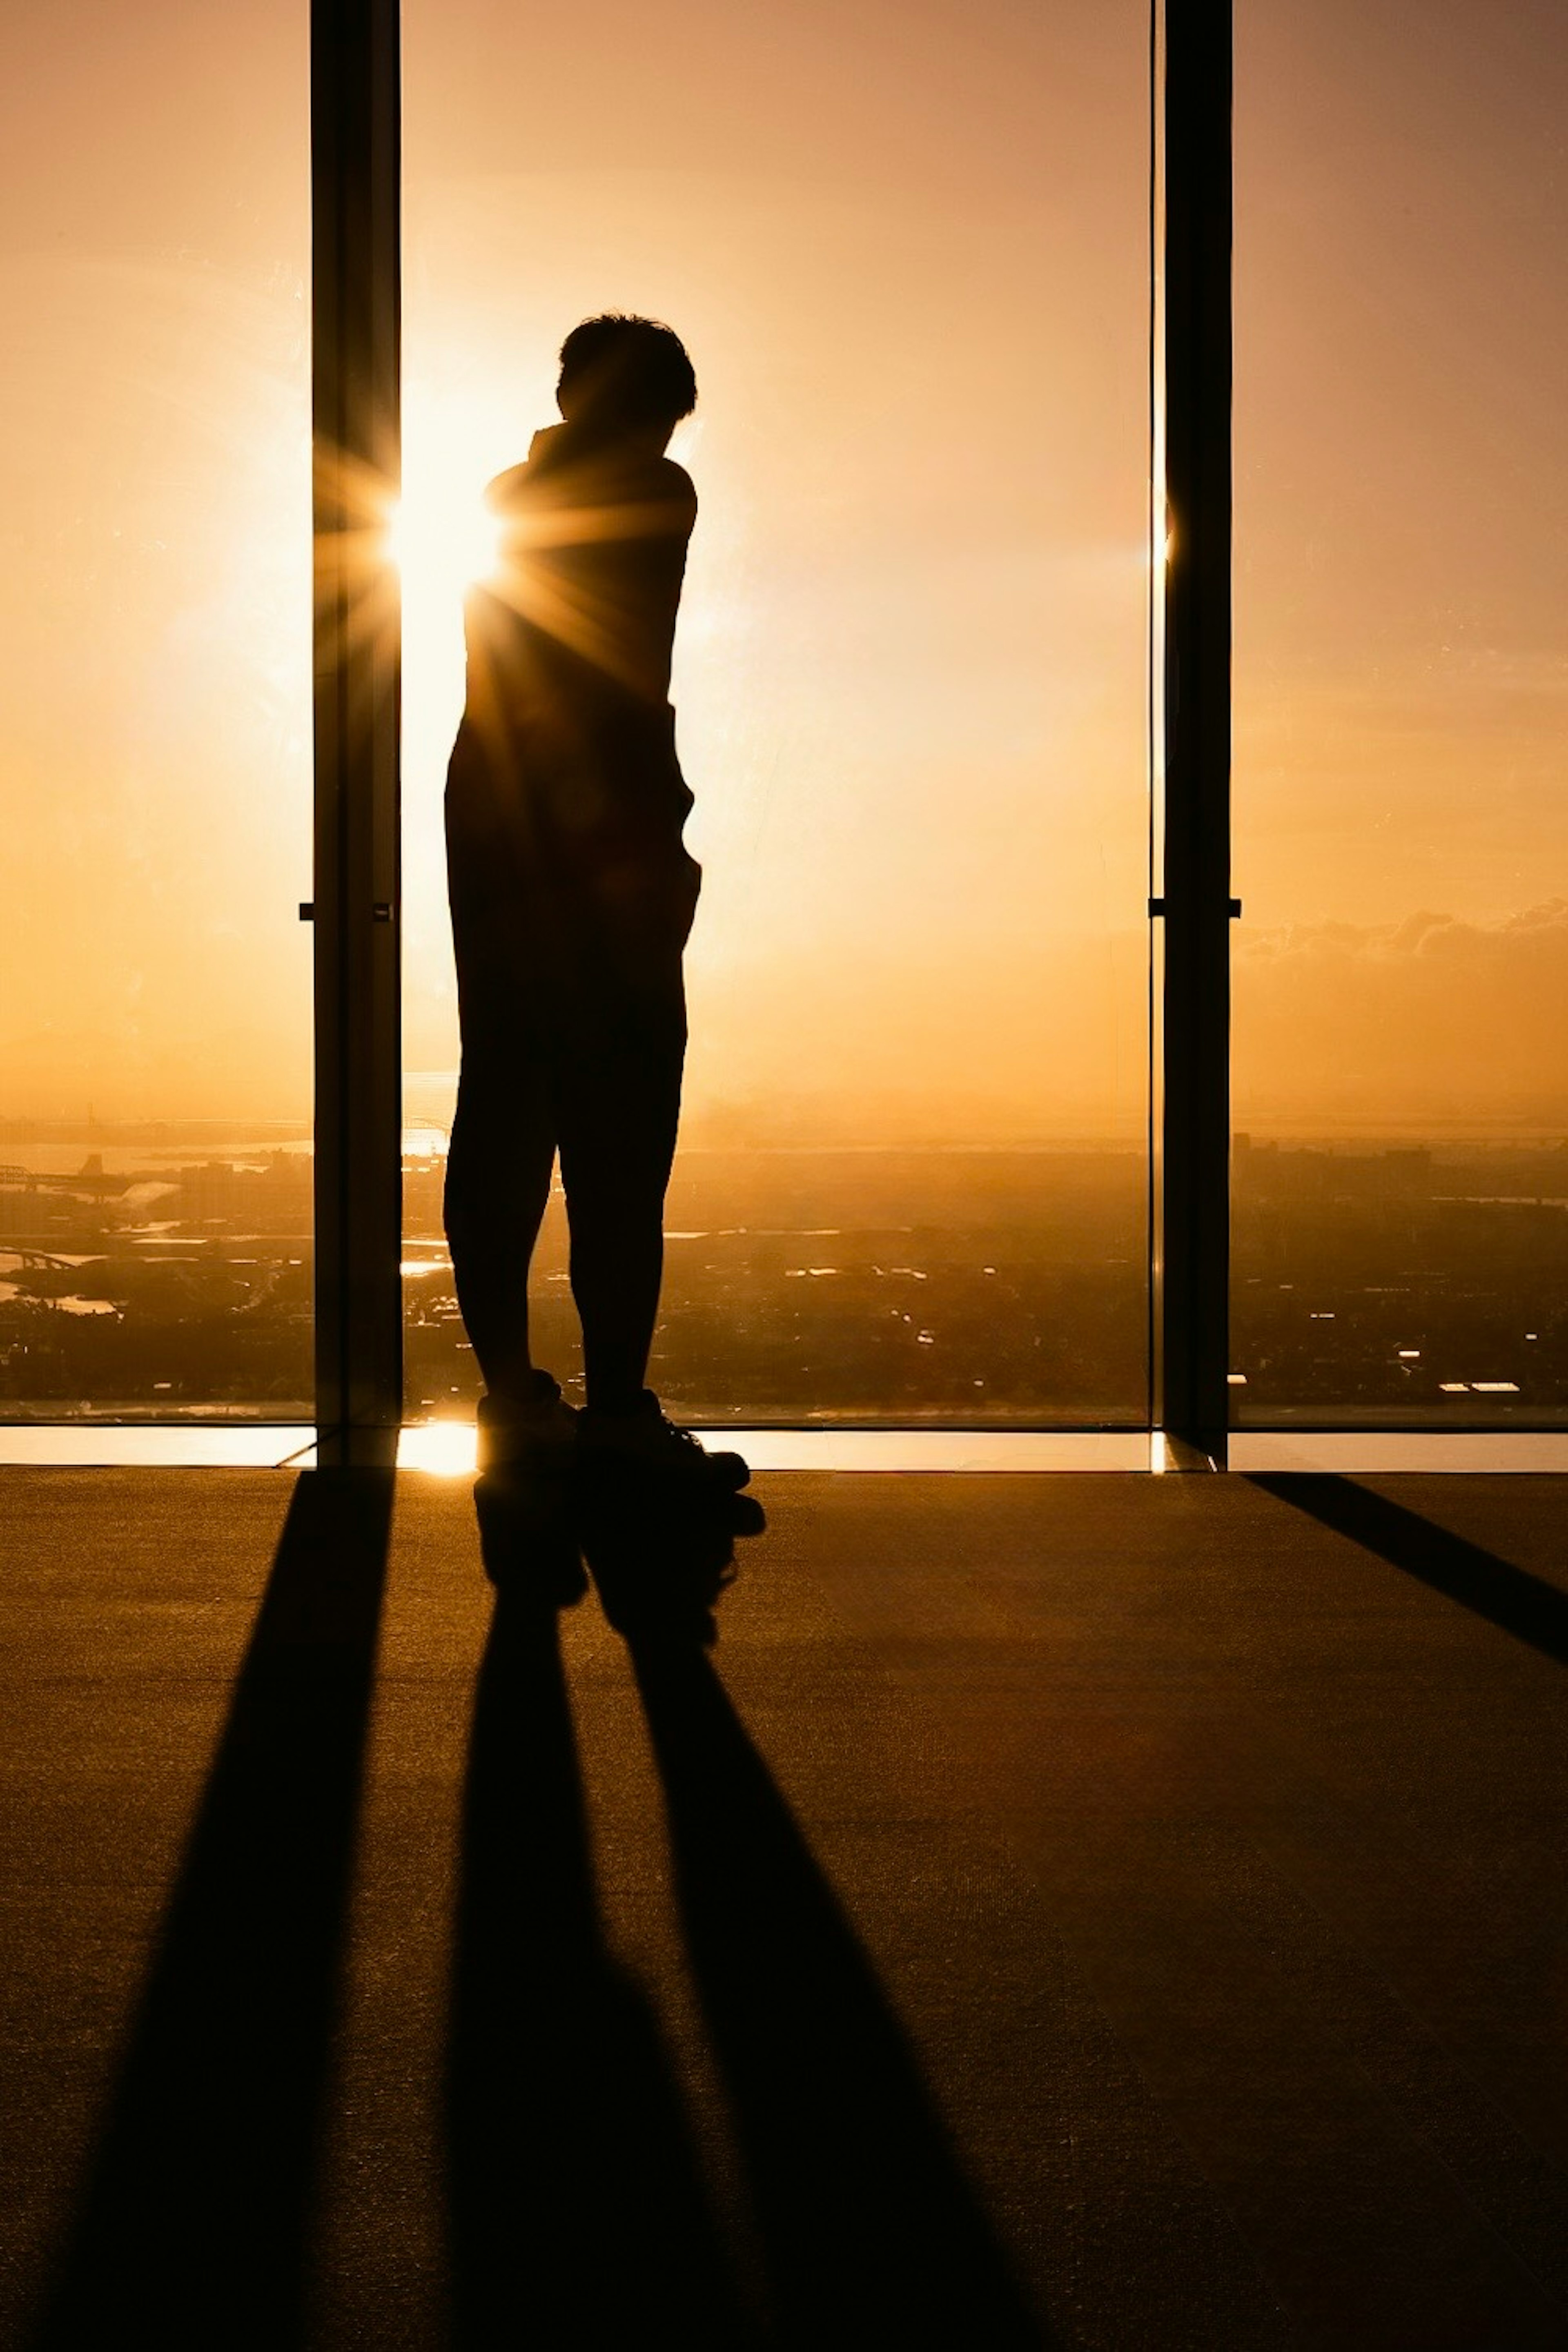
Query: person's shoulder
677,486
507,489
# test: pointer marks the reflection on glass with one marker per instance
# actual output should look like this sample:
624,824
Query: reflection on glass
154,744
1400,1173
909,257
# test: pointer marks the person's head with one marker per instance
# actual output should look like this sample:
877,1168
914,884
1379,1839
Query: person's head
625,376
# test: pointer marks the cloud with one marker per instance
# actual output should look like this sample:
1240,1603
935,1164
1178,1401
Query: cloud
1429,1018
1421,934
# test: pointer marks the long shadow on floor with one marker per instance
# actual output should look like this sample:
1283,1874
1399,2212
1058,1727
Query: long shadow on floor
576,2207
871,2233
193,2226
1524,1605
577,2211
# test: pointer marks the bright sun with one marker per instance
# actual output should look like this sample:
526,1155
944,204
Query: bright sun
442,538
440,534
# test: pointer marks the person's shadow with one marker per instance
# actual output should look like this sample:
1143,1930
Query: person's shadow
869,2230
578,2210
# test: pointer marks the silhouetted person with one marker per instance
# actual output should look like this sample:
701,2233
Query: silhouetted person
572,896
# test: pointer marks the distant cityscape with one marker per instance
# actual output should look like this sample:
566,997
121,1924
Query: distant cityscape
807,1286
149,1272
1415,1282
155,1272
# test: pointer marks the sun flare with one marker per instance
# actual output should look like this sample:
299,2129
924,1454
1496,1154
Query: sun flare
442,539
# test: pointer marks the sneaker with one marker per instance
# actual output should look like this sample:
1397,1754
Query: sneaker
644,1439
538,1435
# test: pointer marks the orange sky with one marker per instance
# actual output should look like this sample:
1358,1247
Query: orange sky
906,245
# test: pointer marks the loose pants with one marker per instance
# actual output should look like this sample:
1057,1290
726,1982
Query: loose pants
573,1013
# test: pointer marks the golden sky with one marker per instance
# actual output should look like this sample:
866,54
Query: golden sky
906,245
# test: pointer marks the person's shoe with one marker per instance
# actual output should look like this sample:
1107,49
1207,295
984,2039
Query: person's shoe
644,1439
536,1434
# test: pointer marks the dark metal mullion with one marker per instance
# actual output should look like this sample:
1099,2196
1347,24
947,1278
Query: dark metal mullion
1195,1140
354,108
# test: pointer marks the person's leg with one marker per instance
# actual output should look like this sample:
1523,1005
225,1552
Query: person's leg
619,1105
499,1168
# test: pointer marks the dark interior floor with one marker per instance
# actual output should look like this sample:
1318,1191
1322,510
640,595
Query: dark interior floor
1111,1911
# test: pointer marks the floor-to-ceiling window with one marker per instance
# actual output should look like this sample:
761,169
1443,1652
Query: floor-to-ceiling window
1400,1164
910,257
155,1222
909,252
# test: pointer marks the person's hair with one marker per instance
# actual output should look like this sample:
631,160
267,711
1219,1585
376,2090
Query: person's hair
624,371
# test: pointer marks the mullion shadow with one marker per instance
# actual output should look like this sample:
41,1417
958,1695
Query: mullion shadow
1510,1598
194,2225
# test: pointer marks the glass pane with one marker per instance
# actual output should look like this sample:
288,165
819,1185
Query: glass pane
154,740
907,252
1401,1163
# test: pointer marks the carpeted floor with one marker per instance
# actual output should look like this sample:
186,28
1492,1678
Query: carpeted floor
1102,1912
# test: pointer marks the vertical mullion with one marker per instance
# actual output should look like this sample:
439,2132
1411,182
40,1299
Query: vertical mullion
354,140
1195,1140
